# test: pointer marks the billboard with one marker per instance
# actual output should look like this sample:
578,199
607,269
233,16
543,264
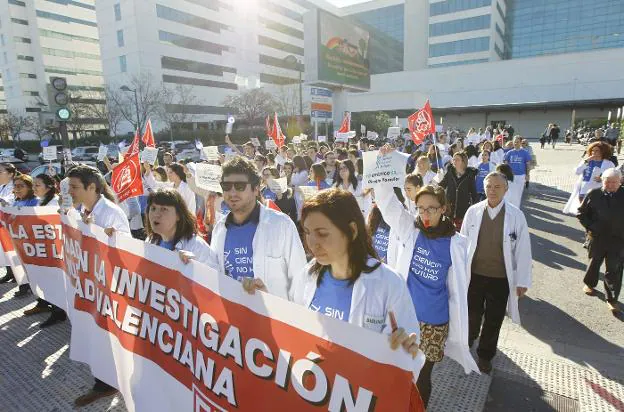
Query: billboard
339,52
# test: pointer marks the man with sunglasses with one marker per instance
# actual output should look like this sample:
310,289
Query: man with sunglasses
255,245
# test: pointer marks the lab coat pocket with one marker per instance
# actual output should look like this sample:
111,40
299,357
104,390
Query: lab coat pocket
374,322
274,275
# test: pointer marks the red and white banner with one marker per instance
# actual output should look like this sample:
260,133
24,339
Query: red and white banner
176,337
8,255
421,123
126,180
345,126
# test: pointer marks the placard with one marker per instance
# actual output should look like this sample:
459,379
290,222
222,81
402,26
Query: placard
49,153
393,133
383,170
278,185
362,129
208,177
255,142
66,200
228,128
322,138
308,191
372,135
342,137
296,139
270,144
149,155
303,136
210,153
102,152
67,155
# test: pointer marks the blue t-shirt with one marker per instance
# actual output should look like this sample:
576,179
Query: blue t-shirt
166,244
381,239
518,159
587,173
322,185
26,202
268,194
483,170
333,297
426,281
224,208
238,250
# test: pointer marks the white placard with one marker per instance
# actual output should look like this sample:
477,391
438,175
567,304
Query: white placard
228,128
393,133
296,139
308,191
255,142
372,135
66,200
49,153
322,138
102,152
278,185
149,155
270,144
383,170
67,154
208,177
362,129
210,153
303,136
342,137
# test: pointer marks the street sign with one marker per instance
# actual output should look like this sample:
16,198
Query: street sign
318,114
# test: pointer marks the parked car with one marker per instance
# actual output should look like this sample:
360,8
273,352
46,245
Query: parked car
83,153
16,157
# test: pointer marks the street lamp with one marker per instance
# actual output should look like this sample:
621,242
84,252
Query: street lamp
136,105
296,65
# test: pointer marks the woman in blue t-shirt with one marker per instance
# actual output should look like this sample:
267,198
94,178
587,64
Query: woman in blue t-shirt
432,260
171,225
318,175
484,168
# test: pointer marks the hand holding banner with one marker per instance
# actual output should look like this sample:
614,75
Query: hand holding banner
102,152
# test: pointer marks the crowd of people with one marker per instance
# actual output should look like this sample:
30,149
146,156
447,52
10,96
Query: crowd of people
435,263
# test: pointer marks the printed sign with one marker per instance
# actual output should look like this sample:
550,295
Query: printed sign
383,170
67,155
210,153
49,153
342,137
362,129
372,135
394,133
278,185
208,177
102,152
322,138
255,141
228,128
149,155
270,144
66,200
308,191
296,139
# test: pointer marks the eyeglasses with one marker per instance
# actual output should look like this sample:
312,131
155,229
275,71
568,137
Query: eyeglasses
238,186
428,211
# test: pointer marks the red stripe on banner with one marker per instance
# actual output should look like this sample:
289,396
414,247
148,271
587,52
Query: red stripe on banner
38,239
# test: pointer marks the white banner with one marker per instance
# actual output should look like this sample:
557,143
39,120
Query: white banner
383,170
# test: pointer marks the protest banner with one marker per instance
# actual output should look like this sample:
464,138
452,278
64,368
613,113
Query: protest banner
149,155
270,144
126,179
342,137
49,153
372,135
37,240
208,177
210,153
393,132
322,138
8,255
102,152
181,337
383,170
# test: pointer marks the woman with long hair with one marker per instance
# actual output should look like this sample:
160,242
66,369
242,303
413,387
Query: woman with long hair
318,175
497,156
413,183
300,172
459,183
347,180
590,168
176,179
432,261
7,174
435,158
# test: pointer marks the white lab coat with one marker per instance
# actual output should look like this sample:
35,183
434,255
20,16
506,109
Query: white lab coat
517,253
53,202
429,178
107,214
299,178
497,157
365,202
198,247
374,295
582,188
185,191
393,248
278,254
6,193
398,217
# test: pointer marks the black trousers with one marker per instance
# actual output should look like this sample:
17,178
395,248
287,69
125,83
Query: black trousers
487,302
613,257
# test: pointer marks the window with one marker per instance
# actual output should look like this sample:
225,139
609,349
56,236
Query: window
282,28
67,53
2,39
198,82
26,58
20,21
120,38
65,36
275,62
17,3
73,3
273,79
33,109
452,6
21,39
460,26
191,66
196,109
459,63
276,44
123,66
35,94
70,71
191,43
459,47
188,19
117,9
6,58
28,76
64,19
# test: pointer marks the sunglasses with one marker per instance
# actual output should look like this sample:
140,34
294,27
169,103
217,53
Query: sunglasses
238,186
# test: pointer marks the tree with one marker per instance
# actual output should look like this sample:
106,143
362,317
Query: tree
251,106
287,100
4,127
377,122
149,95
106,112
17,124
175,108
38,129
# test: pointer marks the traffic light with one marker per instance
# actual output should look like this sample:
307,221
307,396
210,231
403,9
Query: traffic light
58,98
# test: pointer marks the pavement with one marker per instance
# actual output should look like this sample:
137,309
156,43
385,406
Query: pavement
568,355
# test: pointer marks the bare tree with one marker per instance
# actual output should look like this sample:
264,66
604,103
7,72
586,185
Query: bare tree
104,112
175,108
17,123
287,100
148,99
251,105
4,127
36,127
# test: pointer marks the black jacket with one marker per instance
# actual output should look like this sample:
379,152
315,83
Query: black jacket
461,192
601,214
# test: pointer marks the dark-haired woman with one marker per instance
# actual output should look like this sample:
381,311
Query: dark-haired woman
7,174
318,175
347,180
459,183
44,187
300,172
170,224
432,260
345,280
177,179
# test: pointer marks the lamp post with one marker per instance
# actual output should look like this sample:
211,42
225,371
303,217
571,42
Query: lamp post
136,106
296,65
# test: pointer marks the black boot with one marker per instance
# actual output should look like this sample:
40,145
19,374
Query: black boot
23,291
57,315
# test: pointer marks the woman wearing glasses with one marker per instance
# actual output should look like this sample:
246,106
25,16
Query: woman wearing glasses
432,260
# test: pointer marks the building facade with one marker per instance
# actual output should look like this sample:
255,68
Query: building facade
45,38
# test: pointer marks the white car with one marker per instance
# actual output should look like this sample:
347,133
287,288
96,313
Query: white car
85,153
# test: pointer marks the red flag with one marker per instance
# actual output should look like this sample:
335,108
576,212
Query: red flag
276,134
345,127
271,205
421,123
148,136
500,138
134,147
126,179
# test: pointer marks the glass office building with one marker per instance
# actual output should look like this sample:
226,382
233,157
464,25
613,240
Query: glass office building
388,20
538,27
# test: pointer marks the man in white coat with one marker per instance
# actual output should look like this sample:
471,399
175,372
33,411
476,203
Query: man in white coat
255,245
498,265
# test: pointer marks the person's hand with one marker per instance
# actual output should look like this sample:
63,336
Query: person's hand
597,179
385,149
109,231
400,338
251,285
87,219
227,139
520,291
185,256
